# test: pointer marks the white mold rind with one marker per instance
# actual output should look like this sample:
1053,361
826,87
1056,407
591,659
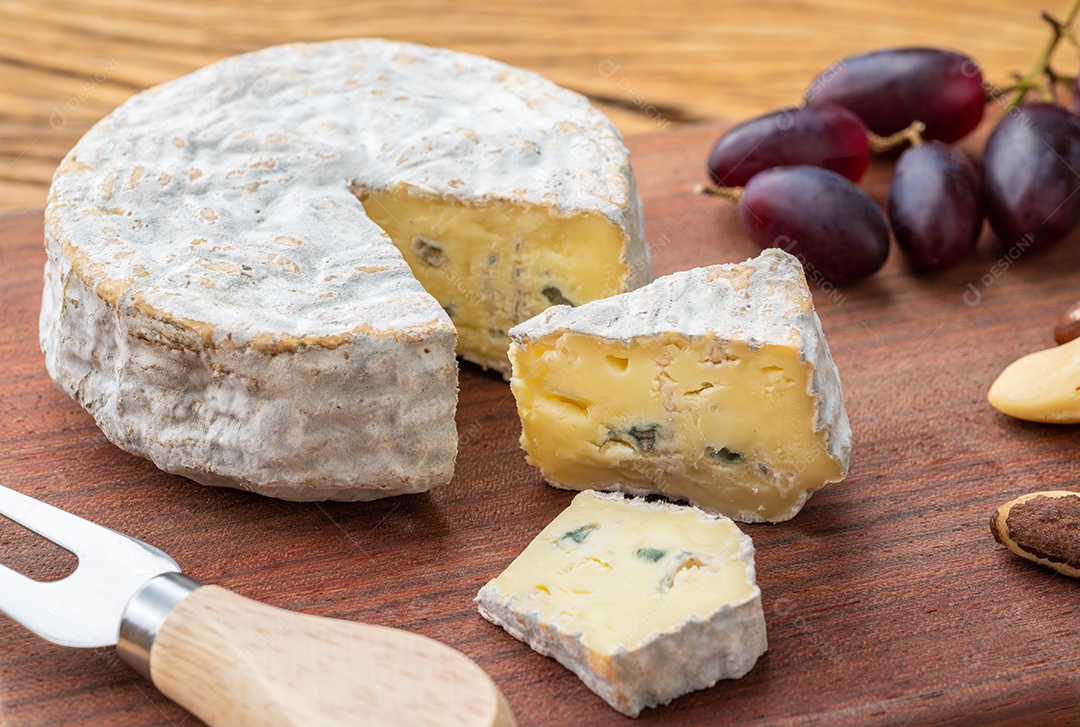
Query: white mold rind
766,303
216,297
664,665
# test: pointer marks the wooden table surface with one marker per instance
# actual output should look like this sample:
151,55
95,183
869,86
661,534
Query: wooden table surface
886,599
648,63
887,602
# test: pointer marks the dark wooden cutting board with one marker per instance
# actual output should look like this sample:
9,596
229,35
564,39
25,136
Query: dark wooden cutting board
886,599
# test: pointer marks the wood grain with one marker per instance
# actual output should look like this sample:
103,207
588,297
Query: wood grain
239,663
66,63
887,600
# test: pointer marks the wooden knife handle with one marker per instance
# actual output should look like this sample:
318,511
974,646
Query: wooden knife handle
234,661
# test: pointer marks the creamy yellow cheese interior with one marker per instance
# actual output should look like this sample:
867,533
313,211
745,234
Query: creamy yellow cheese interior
619,572
493,266
1041,387
729,428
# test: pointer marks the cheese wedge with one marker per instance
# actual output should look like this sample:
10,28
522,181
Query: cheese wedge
714,385
644,601
228,288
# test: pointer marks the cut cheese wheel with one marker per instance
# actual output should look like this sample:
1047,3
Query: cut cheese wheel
644,601
228,288
714,385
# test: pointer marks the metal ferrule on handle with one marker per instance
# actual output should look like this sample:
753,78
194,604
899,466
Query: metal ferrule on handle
145,614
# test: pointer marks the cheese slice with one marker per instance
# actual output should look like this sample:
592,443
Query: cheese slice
715,385
228,288
644,601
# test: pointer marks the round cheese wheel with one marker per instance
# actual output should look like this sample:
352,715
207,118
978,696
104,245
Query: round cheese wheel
233,258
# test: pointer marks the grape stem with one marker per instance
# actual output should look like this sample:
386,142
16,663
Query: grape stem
1041,68
911,135
732,193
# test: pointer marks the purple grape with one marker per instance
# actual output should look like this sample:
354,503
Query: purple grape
1031,175
820,217
889,89
826,136
935,206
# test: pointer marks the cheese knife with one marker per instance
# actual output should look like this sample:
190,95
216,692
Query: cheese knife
231,660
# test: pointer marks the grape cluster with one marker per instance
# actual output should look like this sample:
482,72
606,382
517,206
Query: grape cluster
797,168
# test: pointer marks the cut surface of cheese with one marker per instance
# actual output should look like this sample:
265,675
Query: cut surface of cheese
220,295
494,266
714,385
644,601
